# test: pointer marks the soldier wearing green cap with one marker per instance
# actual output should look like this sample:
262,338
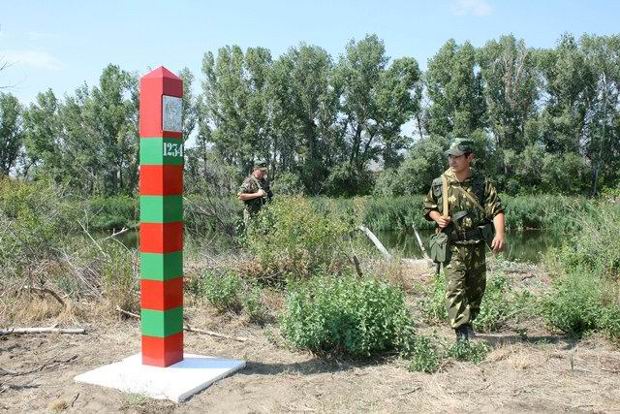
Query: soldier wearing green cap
255,191
473,210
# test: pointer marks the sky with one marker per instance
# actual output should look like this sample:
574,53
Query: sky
62,44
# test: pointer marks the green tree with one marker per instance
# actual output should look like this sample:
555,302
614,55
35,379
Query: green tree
90,141
42,137
235,105
11,132
454,86
376,101
304,112
190,103
602,54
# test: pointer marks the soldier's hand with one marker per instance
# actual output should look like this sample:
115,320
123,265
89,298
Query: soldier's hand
261,193
443,221
498,244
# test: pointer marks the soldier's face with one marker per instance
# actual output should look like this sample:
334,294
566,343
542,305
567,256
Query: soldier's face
260,174
460,163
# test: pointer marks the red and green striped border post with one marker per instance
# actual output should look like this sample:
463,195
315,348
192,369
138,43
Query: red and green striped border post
161,218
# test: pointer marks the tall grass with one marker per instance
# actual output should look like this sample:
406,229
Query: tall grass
552,212
585,294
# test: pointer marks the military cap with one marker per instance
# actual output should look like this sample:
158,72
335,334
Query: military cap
261,165
460,146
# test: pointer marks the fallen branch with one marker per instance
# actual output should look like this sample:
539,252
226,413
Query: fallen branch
48,291
216,334
376,242
419,239
127,313
48,364
42,330
189,328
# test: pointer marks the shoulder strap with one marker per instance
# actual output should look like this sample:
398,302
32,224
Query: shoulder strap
260,187
472,199
444,195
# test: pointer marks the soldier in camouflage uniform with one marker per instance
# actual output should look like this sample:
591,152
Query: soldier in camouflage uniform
255,191
472,203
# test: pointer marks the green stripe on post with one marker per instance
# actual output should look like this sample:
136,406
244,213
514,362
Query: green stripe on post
161,151
161,323
161,209
161,266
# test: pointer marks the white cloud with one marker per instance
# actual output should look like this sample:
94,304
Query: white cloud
471,7
32,58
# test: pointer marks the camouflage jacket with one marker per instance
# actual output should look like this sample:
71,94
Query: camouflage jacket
251,185
466,215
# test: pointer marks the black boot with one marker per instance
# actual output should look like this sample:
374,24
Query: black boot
462,333
470,331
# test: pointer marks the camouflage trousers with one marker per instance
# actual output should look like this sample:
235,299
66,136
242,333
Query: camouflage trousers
465,282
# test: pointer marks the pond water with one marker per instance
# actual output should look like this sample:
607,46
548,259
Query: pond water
522,246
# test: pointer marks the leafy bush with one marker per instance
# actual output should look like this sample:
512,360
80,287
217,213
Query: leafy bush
433,305
222,290
611,322
428,353
119,272
108,213
585,292
351,316
34,222
287,183
253,306
495,306
425,355
595,248
209,217
500,303
474,352
290,238
574,305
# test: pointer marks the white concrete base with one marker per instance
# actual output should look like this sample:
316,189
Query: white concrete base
177,382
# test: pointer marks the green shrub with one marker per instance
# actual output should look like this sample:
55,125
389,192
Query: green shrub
222,290
497,304
290,238
433,305
611,322
595,248
574,304
253,306
213,218
119,275
347,315
500,303
425,355
108,213
474,352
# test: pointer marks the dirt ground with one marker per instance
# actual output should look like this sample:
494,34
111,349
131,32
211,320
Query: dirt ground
539,373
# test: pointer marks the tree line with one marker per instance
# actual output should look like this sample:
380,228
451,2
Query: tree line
544,120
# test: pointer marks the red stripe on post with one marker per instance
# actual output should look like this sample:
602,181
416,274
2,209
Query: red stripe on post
161,179
152,86
161,237
158,295
162,352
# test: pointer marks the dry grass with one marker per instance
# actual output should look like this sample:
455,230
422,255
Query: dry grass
542,372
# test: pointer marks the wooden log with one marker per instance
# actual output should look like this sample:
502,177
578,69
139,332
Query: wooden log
189,328
376,242
42,330
419,239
